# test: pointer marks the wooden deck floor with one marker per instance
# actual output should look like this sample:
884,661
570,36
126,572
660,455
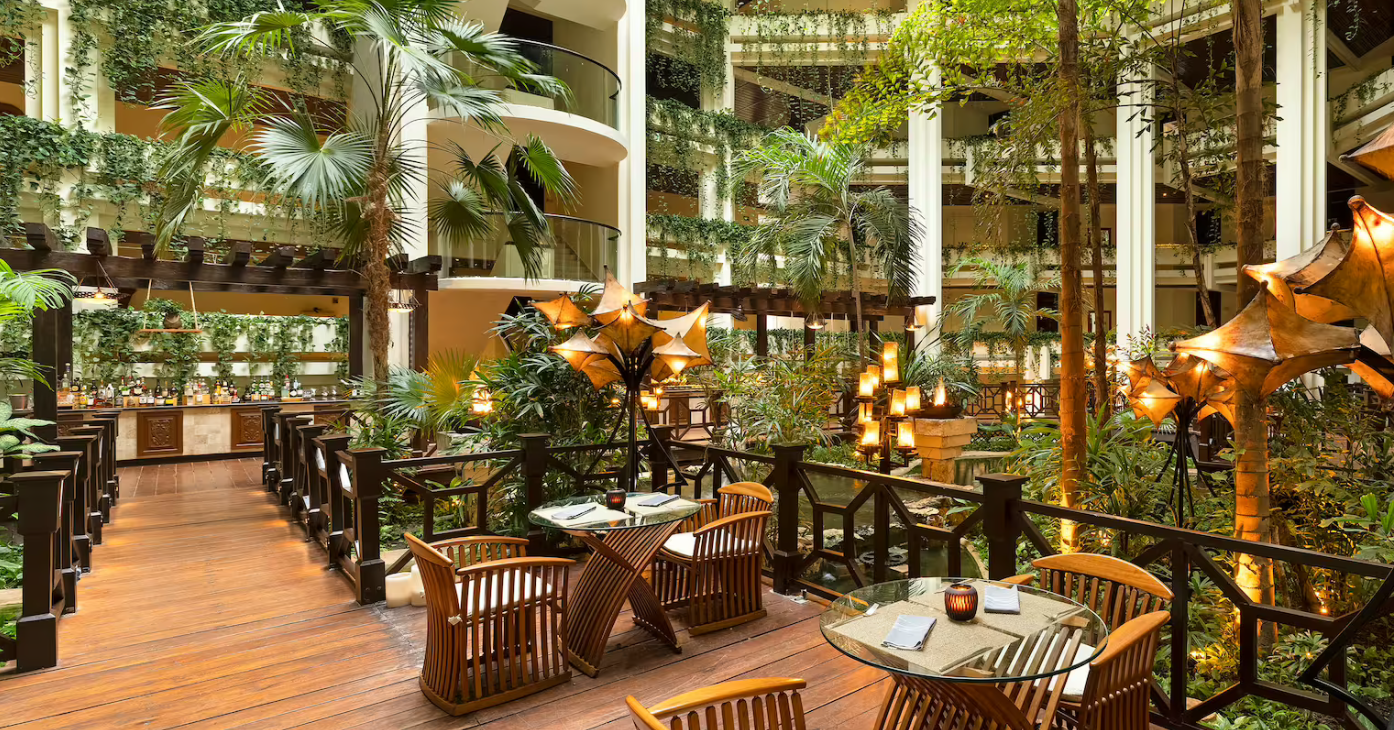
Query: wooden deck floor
208,609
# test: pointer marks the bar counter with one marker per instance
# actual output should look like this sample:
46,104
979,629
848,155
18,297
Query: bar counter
151,433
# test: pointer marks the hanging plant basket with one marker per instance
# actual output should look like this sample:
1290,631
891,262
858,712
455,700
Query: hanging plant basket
173,323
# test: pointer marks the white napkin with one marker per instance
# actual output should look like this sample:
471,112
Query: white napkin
1001,599
909,632
656,500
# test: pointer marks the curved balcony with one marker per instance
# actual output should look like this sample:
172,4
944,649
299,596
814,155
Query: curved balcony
580,251
582,127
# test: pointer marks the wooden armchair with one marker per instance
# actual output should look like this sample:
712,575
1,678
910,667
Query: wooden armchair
498,632
1115,589
916,703
1117,694
732,499
715,572
771,704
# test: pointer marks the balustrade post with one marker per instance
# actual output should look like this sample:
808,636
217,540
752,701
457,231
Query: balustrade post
785,485
369,477
659,438
72,538
269,472
337,513
93,481
534,491
39,496
1001,494
310,498
110,486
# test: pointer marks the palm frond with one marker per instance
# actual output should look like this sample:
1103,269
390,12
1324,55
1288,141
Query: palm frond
259,34
461,214
319,172
546,169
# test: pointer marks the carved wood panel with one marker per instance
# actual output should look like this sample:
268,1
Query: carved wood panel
160,433
246,428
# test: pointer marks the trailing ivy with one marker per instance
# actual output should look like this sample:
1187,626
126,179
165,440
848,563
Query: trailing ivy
698,42
679,136
699,239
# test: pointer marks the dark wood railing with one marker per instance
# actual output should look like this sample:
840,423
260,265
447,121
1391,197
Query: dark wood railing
997,511
56,504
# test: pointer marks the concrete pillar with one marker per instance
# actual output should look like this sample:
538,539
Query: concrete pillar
926,178
51,68
416,147
1303,126
633,253
1135,232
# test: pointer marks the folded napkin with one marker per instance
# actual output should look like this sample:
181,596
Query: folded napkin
656,500
1001,599
909,632
572,512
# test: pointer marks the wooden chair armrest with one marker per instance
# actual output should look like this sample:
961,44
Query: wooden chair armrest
508,564
719,693
510,547
1020,580
706,514
733,519
1130,633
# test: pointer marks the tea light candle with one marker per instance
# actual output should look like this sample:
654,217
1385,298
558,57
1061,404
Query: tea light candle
398,590
961,602
614,499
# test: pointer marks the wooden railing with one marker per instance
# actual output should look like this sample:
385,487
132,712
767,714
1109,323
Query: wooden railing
59,502
997,512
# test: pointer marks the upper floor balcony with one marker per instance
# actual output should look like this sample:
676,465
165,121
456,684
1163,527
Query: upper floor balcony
580,251
582,126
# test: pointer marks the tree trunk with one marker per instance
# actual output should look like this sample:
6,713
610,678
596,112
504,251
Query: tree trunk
375,271
1251,508
1072,390
1103,400
1184,163
862,341
1248,105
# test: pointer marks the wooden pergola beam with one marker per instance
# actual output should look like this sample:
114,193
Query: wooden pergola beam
304,281
98,243
40,236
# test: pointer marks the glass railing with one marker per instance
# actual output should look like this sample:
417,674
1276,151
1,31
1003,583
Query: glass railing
595,89
580,250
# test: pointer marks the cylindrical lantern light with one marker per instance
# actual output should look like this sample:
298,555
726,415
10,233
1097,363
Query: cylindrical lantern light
871,437
961,602
897,407
614,499
890,363
875,372
864,413
905,436
398,590
866,385
912,399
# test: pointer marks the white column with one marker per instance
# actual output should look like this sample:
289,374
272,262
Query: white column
51,66
1135,232
633,250
416,146
1302,126
926,178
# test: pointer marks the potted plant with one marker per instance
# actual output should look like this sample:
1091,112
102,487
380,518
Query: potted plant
945,381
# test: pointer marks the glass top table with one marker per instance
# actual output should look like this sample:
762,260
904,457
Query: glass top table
1051,635
603,519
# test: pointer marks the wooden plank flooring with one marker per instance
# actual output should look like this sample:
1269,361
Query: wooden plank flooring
207,609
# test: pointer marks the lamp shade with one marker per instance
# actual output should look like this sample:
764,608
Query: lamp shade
578,349
628,329
563,313
1305,269
905,435
1155,402
615,299
1361,280
912,399
897,403
1373,363
866,385
1193,377
871,437
890,363
875,372
673,358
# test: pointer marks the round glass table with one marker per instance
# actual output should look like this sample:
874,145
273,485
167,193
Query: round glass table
623,542
1034,657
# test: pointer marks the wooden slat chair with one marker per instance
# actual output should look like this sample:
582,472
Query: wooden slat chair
732,499
715,572
1118,692
770,704
497,633
926,704
1115,589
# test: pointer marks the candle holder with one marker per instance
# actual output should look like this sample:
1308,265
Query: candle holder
961,602
614,499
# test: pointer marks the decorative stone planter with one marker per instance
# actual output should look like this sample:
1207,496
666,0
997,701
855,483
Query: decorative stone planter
939,441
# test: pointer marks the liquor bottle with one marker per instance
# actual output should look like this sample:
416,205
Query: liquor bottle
65,388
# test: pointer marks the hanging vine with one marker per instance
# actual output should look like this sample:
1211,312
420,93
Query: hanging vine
700,240
697,41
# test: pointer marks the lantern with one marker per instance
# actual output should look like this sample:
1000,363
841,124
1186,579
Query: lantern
912,399
897,407
866,385
871,437
814,321
890,363
961,602
905,436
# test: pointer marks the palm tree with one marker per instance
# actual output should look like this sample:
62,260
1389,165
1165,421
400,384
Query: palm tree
407,52
820,220
1010,301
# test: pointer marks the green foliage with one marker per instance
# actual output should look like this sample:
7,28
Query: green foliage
679,137
21,294
699,239
1009,303
435,399
778,400
179,351
698,38
958,373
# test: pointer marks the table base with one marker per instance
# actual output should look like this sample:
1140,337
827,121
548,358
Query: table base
613,574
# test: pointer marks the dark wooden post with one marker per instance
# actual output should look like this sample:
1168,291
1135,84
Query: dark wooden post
368,476
534,474
420,325
786,491
48,349
762,333
1001,493
39,496
68,556
810,341
93,480
77,501
111,486
270,473
336,510
1180,607
659,437
310,497
355,338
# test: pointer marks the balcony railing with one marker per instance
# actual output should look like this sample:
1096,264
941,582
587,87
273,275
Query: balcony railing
580,250
595,89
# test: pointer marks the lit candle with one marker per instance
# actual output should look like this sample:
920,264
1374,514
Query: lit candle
864,414
866,386
871,437
905,435
941,394
890,363
961,602
897,402
912,399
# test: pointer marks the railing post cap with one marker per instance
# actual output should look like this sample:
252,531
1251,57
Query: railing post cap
789,448
534,435
1009,481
